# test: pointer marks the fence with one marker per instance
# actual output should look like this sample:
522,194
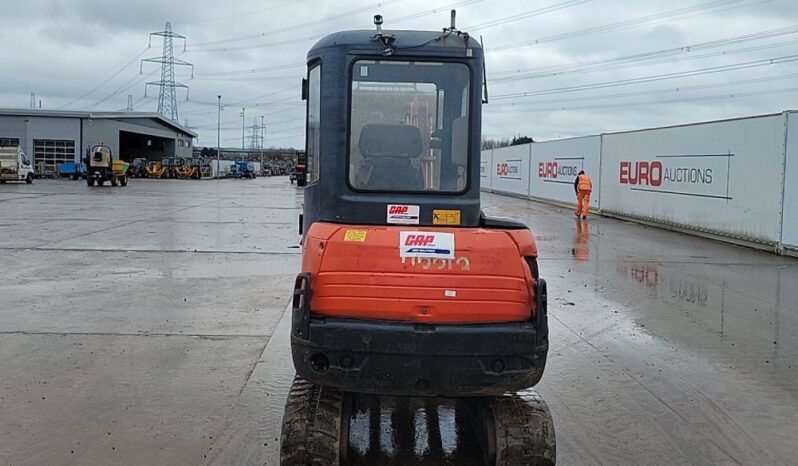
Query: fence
555,165
736,180
790,205
510,170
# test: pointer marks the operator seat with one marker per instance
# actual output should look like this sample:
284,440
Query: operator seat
388,150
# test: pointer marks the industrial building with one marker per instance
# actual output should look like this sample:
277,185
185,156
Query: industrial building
51,137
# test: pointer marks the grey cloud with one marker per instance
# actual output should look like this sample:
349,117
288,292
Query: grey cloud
63,49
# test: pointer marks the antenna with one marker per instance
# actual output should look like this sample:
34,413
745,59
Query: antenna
167,98
484,74
452,29
32,100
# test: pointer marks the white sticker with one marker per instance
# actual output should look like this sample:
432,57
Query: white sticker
450,293
403,214
364,71
429,244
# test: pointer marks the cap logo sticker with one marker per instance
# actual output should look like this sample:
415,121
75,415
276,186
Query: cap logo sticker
433,245
403,214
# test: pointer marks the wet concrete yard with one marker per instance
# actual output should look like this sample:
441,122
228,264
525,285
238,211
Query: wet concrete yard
147,325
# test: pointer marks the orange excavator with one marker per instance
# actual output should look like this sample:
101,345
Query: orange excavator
407,288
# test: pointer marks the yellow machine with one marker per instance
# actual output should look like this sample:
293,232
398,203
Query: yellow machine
188,169
155,170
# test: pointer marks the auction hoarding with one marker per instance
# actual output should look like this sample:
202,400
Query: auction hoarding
510,169
485,163
555,165
790,220
720,177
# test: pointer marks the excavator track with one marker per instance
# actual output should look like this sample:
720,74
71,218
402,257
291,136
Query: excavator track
514,429
314,426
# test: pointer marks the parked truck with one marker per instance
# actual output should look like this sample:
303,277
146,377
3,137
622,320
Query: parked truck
71,170
246,169
15,165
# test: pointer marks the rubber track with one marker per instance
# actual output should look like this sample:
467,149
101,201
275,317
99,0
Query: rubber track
524,430
311,425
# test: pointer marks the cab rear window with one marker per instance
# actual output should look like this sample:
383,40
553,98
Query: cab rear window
409,126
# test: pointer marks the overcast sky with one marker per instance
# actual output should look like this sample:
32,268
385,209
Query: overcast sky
556,68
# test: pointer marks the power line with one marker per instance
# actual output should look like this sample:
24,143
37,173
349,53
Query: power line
107,79
679,13
240,15
421,14
644,58
326,19
526,15
673,60
252,70
512,106
135,80
669,101
652,78
199,47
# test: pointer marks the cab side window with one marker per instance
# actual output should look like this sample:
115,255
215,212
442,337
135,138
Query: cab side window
313,142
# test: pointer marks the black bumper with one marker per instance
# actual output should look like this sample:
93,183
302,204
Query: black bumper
98,173
398,358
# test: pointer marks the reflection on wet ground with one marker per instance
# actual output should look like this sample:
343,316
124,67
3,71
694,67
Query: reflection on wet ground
407,431
581,249
678,349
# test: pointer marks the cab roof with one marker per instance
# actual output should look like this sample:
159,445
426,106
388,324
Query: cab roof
418,43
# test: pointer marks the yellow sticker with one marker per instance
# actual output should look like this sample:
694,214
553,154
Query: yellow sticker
355,235
446,217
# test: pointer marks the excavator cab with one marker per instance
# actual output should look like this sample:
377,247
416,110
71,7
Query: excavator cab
406,288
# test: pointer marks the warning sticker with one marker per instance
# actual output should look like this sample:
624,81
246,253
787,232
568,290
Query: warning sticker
426,244
445,217
358,236
403,214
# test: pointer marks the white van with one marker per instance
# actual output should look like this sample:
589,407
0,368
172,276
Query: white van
15,165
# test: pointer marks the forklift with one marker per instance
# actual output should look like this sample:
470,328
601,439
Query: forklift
407,289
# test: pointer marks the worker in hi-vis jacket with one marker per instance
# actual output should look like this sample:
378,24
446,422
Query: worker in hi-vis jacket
583,187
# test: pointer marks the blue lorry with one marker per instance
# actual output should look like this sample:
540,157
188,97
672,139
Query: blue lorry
72,170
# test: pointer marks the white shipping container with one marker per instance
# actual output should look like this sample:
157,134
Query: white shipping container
790,220
510,169
555,165
720,177
222,168
485,164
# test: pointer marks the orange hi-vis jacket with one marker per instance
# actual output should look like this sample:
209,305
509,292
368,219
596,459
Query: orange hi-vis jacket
583,183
